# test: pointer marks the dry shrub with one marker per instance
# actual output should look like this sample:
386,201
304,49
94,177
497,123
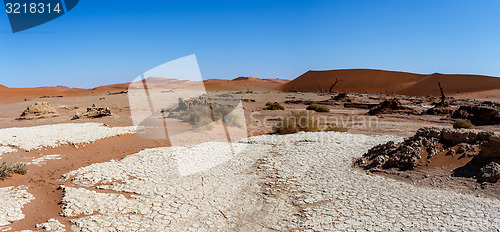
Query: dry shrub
318,108
298,121
7,170
201,116
334,127
274,106
463,123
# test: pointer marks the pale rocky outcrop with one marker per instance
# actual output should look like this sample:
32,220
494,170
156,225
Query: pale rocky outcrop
430,139
38,110
93,112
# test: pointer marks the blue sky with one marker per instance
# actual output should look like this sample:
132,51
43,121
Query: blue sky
106,42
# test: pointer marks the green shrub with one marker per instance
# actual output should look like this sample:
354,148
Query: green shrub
334,127
274,106
297,121
7,170
463,123
318,108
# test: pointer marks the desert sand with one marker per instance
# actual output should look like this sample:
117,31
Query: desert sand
93,173
389,82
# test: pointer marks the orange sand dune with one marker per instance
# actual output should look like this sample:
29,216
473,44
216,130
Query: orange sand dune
8,95
455,84
242,84
277,80
59,87
151,82
390,82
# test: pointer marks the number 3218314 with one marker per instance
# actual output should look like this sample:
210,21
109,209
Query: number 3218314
32,8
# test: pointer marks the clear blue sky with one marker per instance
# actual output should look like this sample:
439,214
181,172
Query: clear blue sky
112,41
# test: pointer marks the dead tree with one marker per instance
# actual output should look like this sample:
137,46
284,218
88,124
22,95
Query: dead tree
320,89
443,97
333,85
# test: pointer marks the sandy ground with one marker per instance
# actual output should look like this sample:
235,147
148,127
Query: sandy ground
41,179
276,183
388,82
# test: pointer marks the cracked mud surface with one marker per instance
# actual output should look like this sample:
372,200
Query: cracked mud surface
276,183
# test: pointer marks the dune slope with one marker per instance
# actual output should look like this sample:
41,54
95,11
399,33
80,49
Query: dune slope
390,82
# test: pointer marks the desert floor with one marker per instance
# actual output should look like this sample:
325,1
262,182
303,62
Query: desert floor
271,182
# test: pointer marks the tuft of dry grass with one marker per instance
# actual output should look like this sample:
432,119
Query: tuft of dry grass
463,123
274,106
318,108
6,170
298,121
334,127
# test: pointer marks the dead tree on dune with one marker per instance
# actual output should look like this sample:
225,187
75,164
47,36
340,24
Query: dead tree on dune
443,97
333,85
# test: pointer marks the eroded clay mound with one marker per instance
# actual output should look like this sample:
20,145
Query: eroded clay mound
38,110
94,112
394,106
484,147
478,114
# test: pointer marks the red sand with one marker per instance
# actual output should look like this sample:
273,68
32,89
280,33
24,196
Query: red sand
390,82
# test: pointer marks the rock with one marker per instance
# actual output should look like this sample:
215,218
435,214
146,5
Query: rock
360,105
51,225
93,112
394,106
478,114
462,148
433,132
38,110
404,155
491,149
485,135
490,172
341,97
187,103
440,110
456,136
432,140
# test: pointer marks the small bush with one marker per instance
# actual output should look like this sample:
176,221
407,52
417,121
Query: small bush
297,121
7,170
318,108
463,123
274,106
334,127
20,168
201,116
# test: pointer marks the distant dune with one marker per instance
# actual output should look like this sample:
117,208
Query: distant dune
150,81
390,82
59,87
349,80
243,84
277,80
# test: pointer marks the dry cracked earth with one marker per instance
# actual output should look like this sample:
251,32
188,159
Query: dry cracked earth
298,182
